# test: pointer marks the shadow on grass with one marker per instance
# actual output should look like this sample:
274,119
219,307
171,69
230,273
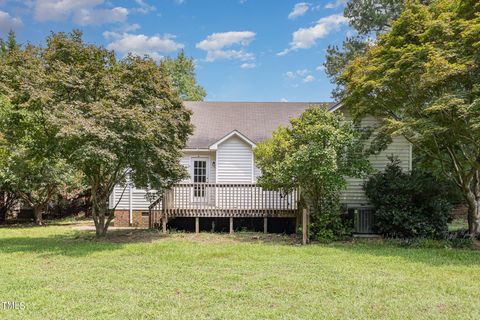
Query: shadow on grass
83,243
79,243
430,256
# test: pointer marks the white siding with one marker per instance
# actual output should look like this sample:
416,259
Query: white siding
354,194
138,196
234,161
185,161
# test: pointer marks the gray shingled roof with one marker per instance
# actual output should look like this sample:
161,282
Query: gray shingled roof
255,120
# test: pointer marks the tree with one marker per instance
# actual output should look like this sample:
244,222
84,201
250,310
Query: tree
372,16
114,119
369,18
315,153
30,165
181,72
422,77
8,198
10,45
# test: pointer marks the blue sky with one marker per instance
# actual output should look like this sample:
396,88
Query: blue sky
245,50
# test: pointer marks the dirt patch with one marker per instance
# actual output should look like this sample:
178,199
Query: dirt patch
476,244
237,237
120,235
132,235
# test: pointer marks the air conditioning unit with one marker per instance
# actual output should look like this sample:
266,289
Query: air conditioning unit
363,220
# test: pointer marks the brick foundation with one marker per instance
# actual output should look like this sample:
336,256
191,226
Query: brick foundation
122,218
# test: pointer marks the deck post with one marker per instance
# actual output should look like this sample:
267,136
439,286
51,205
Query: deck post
265,225
197,224
231,225
164,224
304,227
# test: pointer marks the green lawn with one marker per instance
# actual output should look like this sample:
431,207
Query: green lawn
62,273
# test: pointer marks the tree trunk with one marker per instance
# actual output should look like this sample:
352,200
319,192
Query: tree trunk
38,214
473,203
3,207
3,214
102,216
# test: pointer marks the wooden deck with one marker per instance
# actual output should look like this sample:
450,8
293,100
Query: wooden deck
222,200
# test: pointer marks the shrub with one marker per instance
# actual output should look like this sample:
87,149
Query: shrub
409,204
327,224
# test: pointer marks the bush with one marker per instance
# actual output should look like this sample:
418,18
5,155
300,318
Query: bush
409,205
326,222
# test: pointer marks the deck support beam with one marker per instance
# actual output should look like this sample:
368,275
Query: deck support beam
265,225
231,225
197,224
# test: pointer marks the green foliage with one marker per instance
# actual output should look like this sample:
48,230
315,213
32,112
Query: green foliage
114,118
30,165
338,58
367,17
76,108
409,205
181,71
315,153
10,45
422,77
329,226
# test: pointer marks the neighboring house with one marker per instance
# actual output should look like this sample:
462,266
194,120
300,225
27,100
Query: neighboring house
223,175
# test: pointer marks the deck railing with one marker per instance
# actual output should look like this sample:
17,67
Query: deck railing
227,200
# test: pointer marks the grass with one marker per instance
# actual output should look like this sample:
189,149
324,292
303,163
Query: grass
64,273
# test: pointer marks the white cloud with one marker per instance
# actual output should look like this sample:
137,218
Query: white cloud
83,12
305,38
97,17
299,10
144,7
320,68
298,73
179,1
308,79
216,45
283,100
140,44
248,65
54,10
218,41
130,27
229,54
7,22
303,74
336,4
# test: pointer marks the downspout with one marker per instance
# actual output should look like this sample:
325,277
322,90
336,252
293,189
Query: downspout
130,204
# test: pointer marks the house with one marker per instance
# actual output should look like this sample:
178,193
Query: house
223,175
